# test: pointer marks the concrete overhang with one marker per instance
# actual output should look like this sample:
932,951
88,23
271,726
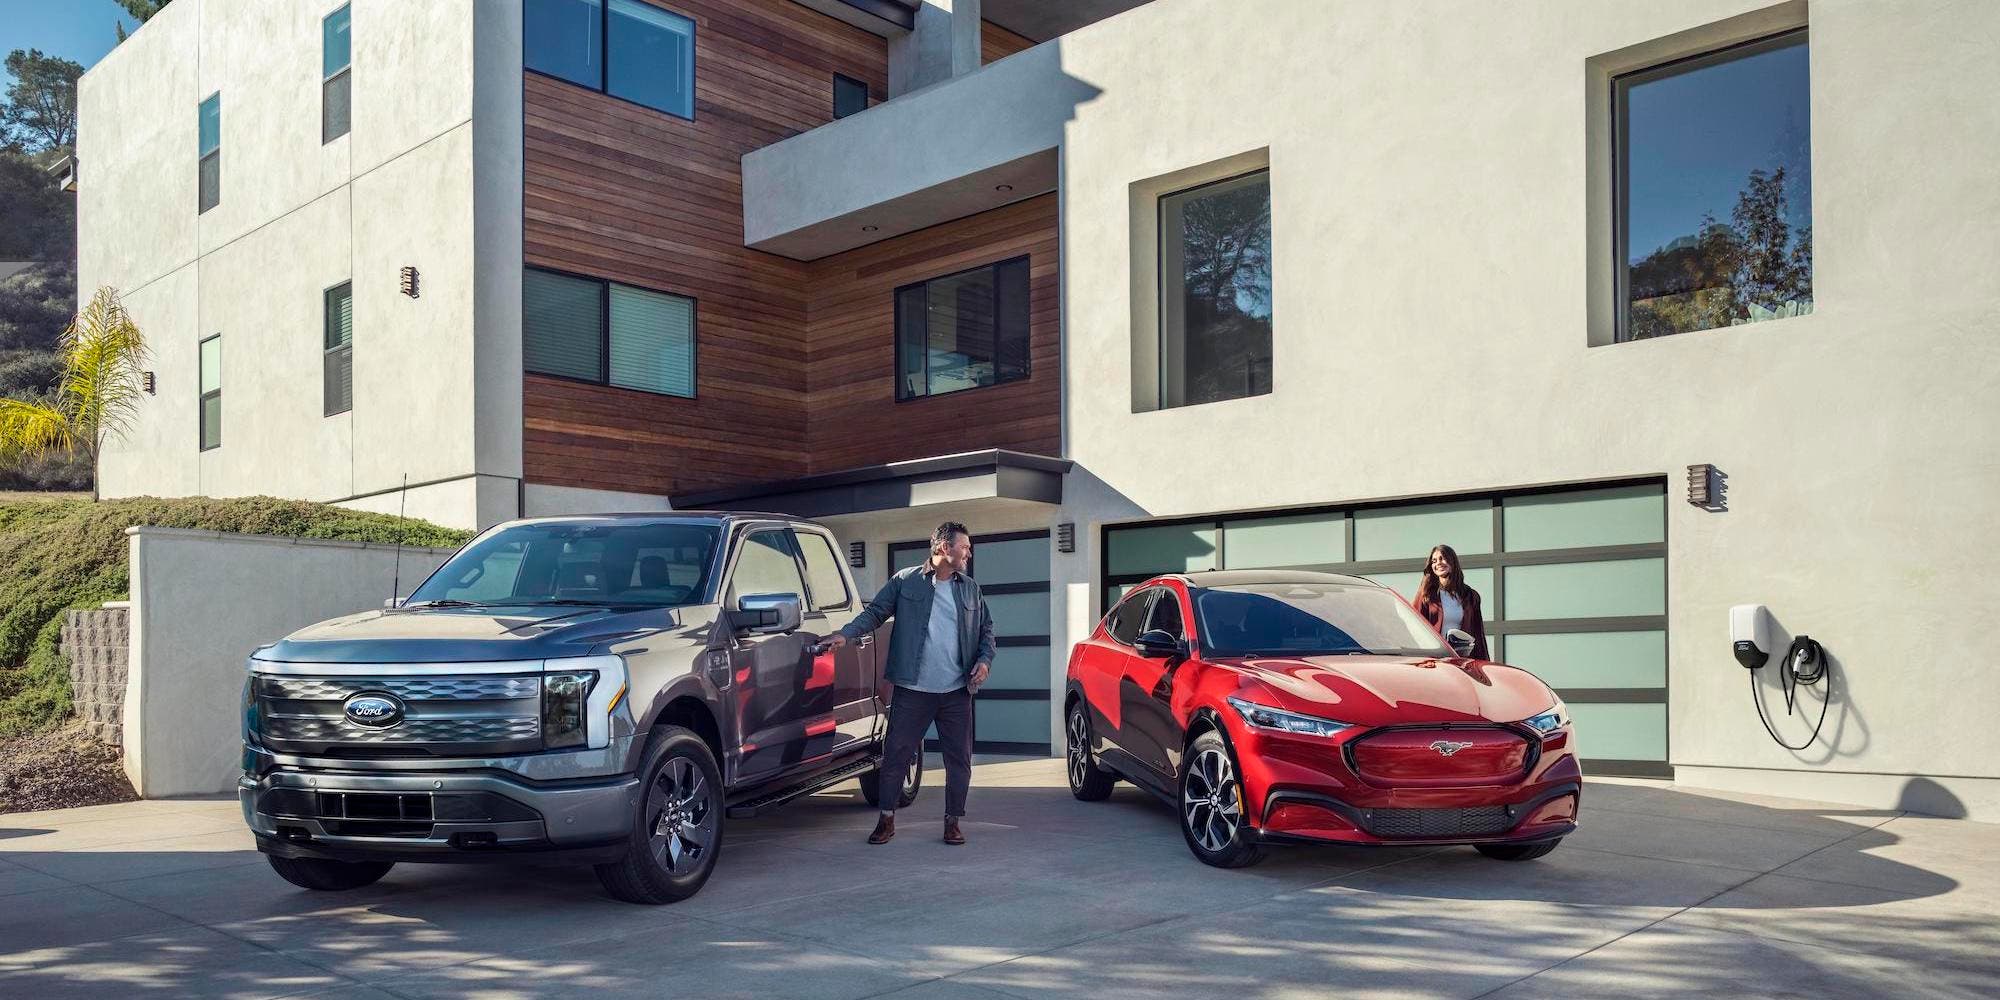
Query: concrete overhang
991,475
882,17
958,148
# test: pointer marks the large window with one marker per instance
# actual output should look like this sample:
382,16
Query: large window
1714,190
337,359
336,50
625,48
1215,291
211,393
963,330
208,135
601,331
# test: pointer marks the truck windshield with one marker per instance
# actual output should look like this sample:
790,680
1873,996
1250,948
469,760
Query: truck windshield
647,564
1303,619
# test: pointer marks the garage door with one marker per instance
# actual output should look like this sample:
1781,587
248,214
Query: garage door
1574,583
1011,714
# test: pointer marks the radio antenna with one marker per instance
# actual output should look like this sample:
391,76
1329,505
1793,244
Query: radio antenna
396,581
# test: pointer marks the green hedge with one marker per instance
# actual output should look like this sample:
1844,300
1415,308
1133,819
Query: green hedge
61,554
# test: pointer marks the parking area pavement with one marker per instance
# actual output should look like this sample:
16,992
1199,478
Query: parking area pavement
1664,892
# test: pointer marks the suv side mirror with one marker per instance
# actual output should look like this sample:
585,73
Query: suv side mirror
768,612
1158,642
1460,641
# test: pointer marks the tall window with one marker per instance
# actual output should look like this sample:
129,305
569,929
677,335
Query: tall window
336,51
337,364
1215,291
963,330
604,332
1714,189
850,96
208,131
211,393
625,48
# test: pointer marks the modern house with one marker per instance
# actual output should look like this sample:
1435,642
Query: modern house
1649,309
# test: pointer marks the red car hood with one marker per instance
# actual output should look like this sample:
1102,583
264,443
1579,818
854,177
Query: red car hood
1398,690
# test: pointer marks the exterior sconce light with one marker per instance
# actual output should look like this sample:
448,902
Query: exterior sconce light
857,554
146,382
1706,487
1066,537
409,281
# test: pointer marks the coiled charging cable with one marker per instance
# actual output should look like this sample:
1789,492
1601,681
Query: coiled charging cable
1805,664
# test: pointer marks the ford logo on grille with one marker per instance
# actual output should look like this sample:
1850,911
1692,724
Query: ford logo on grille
1448,747
374,710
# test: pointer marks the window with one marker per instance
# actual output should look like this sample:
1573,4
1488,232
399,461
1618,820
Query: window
1127,617
604,332
335,53
209,133
962,331
625,48
1166,614
211,393
1714,190
829,585
766,566
337,361
850,96
1215,291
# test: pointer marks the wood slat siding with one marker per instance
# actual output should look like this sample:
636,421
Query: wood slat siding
996,42
855,418
620,191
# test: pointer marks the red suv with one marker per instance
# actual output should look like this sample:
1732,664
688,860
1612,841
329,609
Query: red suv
1274,707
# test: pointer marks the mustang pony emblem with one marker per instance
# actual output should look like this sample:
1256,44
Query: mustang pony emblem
1448,747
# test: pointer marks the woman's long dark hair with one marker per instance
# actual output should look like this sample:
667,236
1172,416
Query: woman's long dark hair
1427,591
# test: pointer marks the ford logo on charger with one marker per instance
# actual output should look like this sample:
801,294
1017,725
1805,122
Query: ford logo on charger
374,710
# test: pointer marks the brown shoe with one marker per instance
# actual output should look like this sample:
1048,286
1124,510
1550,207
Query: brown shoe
884,829
952,835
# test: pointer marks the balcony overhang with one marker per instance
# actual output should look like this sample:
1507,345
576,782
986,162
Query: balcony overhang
992,475
882,17
969,145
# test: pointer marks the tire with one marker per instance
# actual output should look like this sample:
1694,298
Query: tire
1518,852
676,826
322,875
1211,806
1087,781
913,782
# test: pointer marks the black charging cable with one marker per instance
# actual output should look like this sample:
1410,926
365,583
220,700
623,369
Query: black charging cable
1805,664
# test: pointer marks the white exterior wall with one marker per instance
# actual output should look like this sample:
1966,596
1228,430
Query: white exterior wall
422,179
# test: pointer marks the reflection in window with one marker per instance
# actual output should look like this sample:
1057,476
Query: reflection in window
1215,291
963,330
1715,190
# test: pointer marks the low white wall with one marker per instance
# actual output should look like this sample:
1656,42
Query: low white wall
201,602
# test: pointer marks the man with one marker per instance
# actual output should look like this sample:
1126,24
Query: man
939,655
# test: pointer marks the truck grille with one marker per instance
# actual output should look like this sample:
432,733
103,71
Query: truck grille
475,715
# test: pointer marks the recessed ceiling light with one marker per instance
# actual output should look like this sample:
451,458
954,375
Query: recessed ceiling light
867,229
1003,187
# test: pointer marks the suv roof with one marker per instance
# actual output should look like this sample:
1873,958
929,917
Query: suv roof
1247,577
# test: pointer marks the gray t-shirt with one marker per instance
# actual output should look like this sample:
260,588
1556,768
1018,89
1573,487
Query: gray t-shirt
938,671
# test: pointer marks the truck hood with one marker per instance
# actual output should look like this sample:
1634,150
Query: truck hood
1396,690
476,635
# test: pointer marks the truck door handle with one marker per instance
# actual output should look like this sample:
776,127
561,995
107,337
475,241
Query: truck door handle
865,641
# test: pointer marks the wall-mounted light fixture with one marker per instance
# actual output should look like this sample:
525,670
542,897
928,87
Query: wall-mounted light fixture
146,382
857,554
1066,537
409,281
1707,487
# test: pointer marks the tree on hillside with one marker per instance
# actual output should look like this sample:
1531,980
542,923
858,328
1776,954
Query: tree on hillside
35,305
40,109
103,357
37,219
143,10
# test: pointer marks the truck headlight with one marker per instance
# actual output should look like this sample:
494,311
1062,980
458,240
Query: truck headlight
578,696
1266,717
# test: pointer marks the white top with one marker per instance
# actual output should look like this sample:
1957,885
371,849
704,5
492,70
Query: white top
1454,611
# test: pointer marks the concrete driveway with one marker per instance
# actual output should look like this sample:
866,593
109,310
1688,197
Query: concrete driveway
1664,893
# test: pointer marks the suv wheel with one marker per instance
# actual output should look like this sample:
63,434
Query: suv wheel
1087,781
1212,817
328,876
1518,852
913,782
677,828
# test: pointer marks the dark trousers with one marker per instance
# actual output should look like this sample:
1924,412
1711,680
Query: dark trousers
910,715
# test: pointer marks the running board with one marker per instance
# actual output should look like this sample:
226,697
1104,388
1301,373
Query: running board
824,779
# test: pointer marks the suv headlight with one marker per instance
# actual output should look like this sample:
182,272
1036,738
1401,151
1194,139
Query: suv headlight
1550,721
578,696
1266,717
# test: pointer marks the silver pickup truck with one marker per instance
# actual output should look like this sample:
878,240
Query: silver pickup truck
600,690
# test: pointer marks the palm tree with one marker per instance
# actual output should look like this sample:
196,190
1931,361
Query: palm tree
103,355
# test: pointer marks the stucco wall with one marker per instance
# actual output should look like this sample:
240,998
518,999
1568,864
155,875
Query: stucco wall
202,601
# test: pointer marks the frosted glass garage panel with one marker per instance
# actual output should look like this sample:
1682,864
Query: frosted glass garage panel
1619,732
1629,515
1593,659
1267,542
1409,532
902,559
1587,589
1022,560
996,721
1169,548
1019,614
1020,668
1406,584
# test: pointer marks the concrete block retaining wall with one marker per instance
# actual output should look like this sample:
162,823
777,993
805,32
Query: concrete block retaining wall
98,645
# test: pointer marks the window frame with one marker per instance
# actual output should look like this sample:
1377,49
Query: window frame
866,96
326,331
201,406
604,62
1027,331
604,335
1160,288
730,595
1621,187
811,598
345,70
202,158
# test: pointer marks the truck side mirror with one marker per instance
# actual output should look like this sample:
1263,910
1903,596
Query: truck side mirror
767,613
1460,641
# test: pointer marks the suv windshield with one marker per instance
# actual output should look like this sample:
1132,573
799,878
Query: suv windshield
1303,619
646,564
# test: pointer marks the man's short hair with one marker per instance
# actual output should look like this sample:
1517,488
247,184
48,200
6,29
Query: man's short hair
946,532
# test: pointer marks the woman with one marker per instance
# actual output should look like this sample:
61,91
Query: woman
1444,600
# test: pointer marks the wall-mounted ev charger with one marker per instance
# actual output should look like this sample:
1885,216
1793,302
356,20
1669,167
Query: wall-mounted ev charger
1750,634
